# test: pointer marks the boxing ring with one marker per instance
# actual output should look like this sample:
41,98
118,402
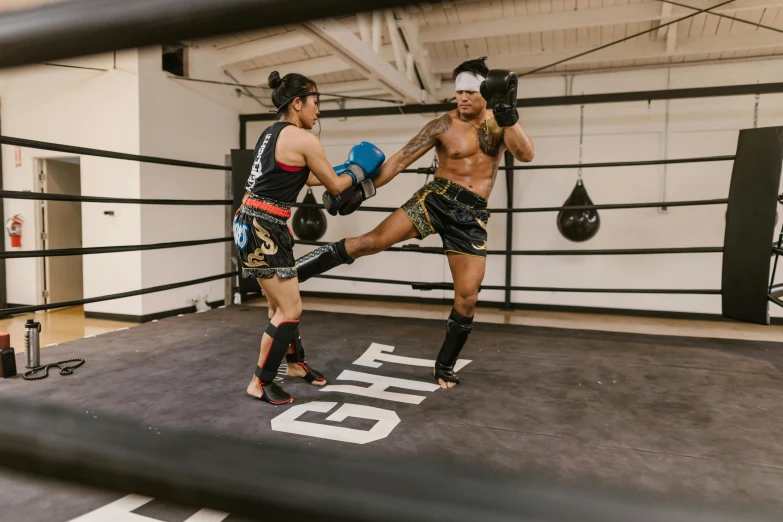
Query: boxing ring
555,424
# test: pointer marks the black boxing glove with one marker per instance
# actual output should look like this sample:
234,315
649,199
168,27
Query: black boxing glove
500,91
347,201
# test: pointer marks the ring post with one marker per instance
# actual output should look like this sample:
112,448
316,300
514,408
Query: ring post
750,224
509,168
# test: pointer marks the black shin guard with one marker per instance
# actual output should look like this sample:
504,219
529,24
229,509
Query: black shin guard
282,336
298,357
458,329
322,259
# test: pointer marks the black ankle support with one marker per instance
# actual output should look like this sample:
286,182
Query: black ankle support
322,259
458,329
282,336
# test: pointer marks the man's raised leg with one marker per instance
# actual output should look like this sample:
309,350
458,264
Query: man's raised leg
395,228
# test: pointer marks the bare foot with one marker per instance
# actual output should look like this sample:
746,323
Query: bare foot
254,388
296,370
443,384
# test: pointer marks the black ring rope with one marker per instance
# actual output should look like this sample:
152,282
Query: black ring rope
610,206
450,286
606,252
43,145
133,293
775,300
43,196
777,250
108,250
427,170
64,370
9,194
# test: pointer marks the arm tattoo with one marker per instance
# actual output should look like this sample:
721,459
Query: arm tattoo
493,177
490,138
427,135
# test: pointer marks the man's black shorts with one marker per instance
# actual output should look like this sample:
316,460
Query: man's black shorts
457,214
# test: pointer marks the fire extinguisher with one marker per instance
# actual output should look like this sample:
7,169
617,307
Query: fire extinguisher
14,228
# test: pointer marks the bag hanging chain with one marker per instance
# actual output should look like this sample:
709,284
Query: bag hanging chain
581,139
756,111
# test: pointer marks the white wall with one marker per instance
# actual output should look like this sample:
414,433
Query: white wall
193,122
90,109
613,132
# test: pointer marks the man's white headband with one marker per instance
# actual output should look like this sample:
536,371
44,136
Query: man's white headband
467,81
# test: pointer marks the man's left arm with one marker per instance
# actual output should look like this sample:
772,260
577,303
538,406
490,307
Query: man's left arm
518,143
500,90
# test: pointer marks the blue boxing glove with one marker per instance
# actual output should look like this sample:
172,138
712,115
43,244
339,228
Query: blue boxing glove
364,162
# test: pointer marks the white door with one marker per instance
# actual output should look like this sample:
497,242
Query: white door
62,229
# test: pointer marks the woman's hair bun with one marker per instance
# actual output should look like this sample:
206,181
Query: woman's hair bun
274,80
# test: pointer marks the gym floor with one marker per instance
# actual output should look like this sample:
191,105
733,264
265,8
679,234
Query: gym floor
690,410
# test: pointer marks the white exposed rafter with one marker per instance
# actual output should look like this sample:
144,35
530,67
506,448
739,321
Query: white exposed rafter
364,27
629,51
541,22
264,46
396,43
666,15
351,50
349,87
280,43
581,18
312,67
671,39
421,58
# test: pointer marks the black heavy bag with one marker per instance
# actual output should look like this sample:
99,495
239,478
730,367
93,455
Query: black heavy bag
578,225
309,223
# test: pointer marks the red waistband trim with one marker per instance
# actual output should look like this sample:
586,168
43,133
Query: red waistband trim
268,208
288,168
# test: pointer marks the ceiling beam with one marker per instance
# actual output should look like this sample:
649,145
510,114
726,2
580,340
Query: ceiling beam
671,39
261,47
349,87
277,44
541,22
311,67
421,58
582,18
628,51
666,14
350,49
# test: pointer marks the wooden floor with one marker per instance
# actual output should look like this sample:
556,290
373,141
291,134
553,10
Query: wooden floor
59,326
70,324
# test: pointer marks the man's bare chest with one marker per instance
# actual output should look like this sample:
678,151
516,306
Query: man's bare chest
464,142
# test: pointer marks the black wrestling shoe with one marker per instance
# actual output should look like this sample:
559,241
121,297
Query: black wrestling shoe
445,373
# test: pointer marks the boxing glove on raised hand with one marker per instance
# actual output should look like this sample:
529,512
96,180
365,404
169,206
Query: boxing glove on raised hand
364,162
500,91
347,201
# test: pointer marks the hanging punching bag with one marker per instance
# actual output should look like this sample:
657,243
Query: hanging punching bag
578,225
309,223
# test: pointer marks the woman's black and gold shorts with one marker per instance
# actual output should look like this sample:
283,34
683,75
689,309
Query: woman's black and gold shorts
265,244
454,212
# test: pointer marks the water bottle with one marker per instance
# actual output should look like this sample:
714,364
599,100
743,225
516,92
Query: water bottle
32,343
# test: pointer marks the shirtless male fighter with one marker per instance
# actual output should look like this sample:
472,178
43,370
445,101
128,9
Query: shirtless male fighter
469,142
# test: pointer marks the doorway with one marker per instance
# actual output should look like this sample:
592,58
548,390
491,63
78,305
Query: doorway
61,227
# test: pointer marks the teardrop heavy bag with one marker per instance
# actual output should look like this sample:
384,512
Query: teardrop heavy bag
309,223
578,225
